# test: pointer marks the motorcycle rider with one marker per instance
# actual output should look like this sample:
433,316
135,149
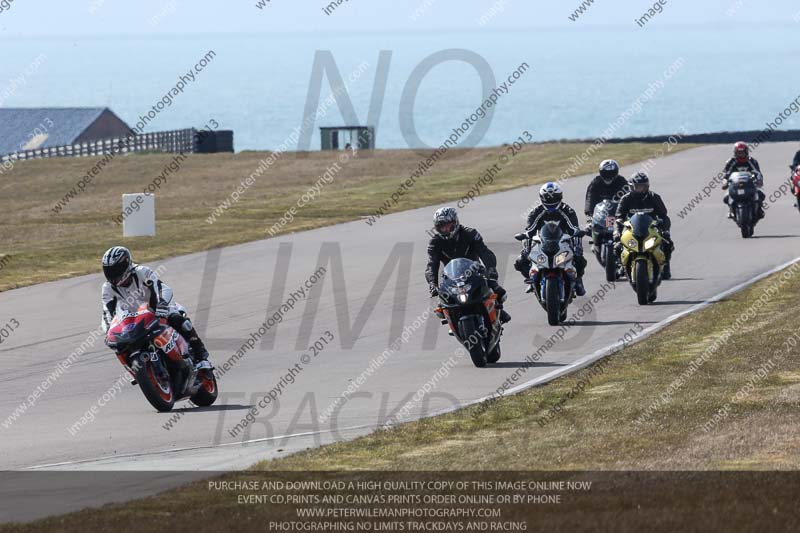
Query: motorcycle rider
129,285
742,162
796,160
607,185
641,198
450,241
553,209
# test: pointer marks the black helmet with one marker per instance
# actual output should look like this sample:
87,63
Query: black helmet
640,183
117,265
609,170
445,222
551,196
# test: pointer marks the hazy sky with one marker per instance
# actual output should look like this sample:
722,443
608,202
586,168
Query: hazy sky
90,17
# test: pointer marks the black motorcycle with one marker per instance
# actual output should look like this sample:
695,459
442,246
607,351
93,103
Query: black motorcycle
603,221
743,200
469,307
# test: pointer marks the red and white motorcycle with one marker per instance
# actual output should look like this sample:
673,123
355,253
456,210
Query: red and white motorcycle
160,361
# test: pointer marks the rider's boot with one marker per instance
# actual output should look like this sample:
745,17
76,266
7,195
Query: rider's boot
666,272
580,290
199,351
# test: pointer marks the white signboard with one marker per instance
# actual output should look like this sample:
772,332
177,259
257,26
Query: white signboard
139,215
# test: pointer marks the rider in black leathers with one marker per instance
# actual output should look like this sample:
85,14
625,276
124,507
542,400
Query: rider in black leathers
641,198
796,160
553,209
742,162
451,241
607,185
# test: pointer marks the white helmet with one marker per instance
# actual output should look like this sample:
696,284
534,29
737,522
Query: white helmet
551,196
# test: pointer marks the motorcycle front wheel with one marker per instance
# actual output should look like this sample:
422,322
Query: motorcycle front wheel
552,293
494,355
745,219
207,393
473,342
156,386
611,264
642,283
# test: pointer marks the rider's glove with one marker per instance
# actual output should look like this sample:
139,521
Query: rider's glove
491,273
434,290
666,235
162,310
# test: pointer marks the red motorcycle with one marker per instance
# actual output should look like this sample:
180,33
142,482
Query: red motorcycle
796,185
159,359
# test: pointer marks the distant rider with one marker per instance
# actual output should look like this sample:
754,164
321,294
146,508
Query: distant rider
451,241
129,285
742,162
641,198
553,209
796,160
607,185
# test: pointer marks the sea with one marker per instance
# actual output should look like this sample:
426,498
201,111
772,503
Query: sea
568,83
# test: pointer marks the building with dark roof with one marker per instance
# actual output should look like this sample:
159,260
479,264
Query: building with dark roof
46,127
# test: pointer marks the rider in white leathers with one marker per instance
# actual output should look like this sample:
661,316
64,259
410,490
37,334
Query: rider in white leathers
129,285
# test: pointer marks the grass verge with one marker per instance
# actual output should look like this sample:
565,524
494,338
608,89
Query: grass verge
734,357
38,245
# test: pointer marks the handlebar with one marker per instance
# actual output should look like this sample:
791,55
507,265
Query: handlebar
526,235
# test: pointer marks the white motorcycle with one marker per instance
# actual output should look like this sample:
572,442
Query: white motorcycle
553,273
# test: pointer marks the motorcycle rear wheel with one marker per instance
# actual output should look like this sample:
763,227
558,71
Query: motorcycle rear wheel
158,391
642,283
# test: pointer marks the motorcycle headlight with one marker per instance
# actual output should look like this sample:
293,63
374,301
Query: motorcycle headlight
649,243
462,298
541,259
463,289
562,258
633,243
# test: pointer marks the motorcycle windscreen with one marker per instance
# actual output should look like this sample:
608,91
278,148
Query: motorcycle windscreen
743,180
604,209
550,235
460,268
640,223
127,336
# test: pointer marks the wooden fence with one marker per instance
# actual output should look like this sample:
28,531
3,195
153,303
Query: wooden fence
176,141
